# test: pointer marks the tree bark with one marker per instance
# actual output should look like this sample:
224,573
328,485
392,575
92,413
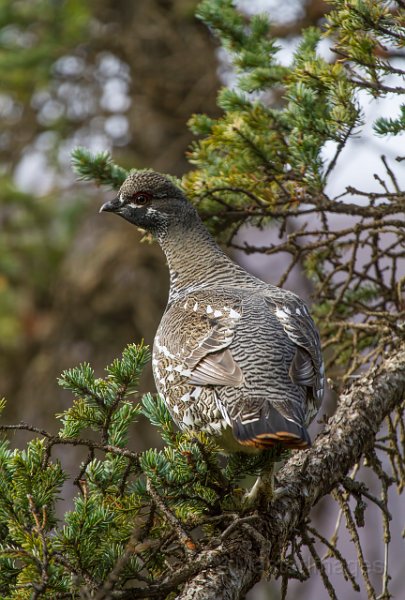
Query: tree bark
305,478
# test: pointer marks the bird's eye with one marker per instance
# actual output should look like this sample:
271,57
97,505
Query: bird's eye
141,198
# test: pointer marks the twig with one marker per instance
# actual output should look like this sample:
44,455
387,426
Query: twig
391,174
359,489
319,565
333,551
189,545
356,540
386,481
40,525
55,440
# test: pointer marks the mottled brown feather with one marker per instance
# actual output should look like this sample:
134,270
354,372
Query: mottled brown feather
217,369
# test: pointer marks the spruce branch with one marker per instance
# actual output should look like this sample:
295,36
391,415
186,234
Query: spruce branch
98,168
389,126
188,544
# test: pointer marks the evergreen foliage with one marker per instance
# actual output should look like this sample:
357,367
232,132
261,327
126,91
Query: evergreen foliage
127,504
275,152
99,168
384,126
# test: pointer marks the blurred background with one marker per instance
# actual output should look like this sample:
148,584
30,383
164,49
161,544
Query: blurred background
122,76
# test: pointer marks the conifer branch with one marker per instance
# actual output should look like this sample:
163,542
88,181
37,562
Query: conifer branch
98,168
56,440
189,545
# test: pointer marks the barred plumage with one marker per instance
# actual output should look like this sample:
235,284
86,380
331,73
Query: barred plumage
232,353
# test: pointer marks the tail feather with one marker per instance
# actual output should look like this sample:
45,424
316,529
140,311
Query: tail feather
271,429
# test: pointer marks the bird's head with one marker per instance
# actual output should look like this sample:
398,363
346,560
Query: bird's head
150,201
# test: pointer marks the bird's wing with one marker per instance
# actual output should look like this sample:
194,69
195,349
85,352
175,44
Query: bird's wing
193,340
217,369
307,365
210,361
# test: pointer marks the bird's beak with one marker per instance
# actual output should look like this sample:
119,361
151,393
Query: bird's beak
111,205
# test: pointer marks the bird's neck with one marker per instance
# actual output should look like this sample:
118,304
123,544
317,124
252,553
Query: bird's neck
196,261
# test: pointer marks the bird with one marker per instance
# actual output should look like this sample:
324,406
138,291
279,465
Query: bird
233,356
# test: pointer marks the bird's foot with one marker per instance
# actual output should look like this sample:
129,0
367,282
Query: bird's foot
262,494
250,498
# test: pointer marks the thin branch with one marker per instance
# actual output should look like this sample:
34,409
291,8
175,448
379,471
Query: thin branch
351,526
339,149
55,440
333,551
319,565
189,545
